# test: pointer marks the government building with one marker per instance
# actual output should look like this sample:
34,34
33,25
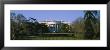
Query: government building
54,26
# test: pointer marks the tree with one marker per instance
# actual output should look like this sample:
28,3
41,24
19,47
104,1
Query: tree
90,19
78,25
21,18
64,28
13,25
13,30
12,15
44,28
18,27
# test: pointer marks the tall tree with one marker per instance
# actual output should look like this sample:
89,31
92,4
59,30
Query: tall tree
90,19
78,25
21,18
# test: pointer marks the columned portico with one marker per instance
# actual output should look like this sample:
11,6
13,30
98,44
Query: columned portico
54,26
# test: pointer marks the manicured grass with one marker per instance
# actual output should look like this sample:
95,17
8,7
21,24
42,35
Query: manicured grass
46,38
75,36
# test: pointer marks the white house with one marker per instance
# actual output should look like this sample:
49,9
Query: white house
54,26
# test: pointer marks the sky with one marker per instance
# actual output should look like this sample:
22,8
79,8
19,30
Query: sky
58,15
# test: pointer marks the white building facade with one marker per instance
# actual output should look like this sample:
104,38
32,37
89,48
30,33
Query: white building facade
54,26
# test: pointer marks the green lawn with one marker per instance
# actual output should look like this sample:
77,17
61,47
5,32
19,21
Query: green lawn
46,38
76,36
